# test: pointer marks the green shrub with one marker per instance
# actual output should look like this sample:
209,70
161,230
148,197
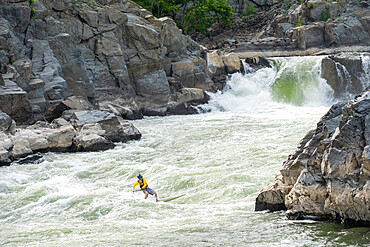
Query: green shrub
249,10
192,15
326,14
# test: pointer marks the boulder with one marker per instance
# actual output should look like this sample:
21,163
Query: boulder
115,129
346,31
153,88
78,103
232,63
81,118
344,73
7,124
271,198
60,139
309,35
6,145
4,157
183,72
256,63
35,139
215,64
21,147
5,142
14,102
172,38
91,142
121,111
187,95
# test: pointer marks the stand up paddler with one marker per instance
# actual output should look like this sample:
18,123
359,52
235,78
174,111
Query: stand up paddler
144,187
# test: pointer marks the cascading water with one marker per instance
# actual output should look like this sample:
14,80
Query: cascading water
292,81
365,79
220,160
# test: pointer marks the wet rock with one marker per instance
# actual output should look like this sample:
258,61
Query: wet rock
256,63
30,159
60,139
115,129
344,73
91,142
271,198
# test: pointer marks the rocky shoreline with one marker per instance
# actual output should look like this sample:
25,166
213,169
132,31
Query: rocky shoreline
327,178
86,131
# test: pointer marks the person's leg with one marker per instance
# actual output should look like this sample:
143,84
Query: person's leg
146,193
156,196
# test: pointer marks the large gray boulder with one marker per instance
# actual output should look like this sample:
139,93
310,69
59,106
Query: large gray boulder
14,102
346,74
115,129
90,138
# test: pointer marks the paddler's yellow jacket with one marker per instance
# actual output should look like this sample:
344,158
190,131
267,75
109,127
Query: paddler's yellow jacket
142,184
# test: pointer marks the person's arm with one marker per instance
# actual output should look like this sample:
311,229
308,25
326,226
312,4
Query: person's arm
145,184
133,188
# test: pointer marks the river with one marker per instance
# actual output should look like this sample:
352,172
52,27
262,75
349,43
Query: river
220,160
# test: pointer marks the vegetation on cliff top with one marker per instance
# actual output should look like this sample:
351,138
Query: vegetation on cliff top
190,15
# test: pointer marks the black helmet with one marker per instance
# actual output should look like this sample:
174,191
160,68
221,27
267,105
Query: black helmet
139,176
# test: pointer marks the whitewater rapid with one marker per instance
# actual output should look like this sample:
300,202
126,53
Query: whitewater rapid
220,160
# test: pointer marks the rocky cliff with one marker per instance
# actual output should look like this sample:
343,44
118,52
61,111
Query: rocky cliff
327,178
110,55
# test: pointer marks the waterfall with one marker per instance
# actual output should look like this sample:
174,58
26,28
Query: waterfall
247,69
294,80
365,79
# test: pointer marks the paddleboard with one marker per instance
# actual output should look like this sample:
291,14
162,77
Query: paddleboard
171,198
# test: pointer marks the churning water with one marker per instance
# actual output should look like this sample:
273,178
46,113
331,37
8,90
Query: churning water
220,160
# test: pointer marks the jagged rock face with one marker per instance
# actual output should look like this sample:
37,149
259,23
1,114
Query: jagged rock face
328,177
293,26
346,74
328,24
108,52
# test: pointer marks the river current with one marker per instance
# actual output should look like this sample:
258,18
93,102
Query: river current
220,160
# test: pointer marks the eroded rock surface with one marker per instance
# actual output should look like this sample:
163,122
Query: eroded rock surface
327,177
113,55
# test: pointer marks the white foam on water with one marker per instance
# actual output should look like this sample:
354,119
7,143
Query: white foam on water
220,160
